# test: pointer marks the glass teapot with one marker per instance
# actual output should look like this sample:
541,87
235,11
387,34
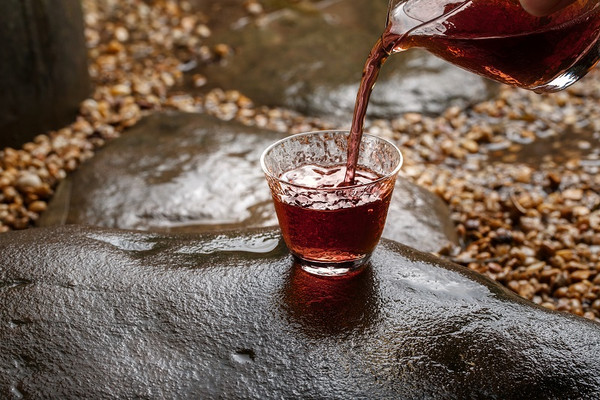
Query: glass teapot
500,40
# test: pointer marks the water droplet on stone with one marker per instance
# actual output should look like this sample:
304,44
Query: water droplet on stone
16,393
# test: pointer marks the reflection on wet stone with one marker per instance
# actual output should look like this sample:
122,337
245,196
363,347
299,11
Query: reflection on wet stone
326,307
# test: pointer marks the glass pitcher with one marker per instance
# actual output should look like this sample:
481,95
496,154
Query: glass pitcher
500,40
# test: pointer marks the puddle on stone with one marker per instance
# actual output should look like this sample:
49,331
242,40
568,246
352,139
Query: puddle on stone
244,356
262,243
128,243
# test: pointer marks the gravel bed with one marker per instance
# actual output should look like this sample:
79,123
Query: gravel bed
532,224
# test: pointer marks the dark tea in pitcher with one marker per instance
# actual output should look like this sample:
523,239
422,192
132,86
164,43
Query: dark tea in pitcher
494,38
500,40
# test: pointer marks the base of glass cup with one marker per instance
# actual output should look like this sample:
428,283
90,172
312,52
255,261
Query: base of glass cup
332,269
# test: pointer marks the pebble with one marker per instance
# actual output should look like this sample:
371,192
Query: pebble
28,182
121,34
533,228
37,206
199,80
253,7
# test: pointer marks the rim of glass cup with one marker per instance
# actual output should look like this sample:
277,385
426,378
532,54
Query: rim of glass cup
346,132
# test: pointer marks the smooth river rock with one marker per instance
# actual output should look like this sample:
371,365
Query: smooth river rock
309,56
43,67
194,173
101,314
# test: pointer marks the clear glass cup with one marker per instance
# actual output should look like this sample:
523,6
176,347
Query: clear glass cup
331,230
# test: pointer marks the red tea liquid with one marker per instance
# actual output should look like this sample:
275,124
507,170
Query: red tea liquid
493,38
500,40
334,225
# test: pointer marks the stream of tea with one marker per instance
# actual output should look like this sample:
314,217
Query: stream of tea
493,38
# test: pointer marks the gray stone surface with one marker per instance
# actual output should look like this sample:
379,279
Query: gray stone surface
193,173
310,58
97,313
43,67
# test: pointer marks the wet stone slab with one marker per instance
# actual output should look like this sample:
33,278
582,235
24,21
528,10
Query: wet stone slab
194,173
309,56
101,313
